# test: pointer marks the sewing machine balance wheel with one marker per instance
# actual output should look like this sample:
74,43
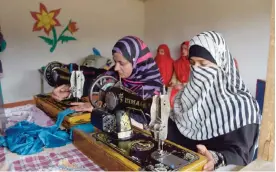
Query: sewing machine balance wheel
98,89
48,72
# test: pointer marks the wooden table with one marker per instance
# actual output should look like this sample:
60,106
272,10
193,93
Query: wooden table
110,160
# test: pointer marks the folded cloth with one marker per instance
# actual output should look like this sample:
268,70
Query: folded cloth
27,138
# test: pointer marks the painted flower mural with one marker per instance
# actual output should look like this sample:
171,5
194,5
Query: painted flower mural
72,27
47,21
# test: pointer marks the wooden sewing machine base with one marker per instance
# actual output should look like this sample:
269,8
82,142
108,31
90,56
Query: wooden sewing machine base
115,156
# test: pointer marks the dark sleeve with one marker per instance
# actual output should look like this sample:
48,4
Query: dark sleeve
239,146
236,147
1,69
140,118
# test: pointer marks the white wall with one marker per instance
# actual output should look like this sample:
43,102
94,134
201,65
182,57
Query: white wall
101,23
244,23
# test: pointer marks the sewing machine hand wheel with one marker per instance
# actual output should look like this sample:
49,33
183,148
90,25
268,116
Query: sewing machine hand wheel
98,88
48,72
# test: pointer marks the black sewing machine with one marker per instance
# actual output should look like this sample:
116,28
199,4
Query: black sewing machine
57,74
112,107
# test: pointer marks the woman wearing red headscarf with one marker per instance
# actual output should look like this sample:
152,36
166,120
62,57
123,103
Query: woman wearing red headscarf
182,69
182,65
165,63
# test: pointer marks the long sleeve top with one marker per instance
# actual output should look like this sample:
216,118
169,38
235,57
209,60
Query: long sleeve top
236,147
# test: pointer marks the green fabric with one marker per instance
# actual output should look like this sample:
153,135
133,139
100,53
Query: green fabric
1,94
3,46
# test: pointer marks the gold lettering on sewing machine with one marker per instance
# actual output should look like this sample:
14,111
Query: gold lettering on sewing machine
132,102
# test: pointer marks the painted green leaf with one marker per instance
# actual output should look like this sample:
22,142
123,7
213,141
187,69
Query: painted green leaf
47,40
64,38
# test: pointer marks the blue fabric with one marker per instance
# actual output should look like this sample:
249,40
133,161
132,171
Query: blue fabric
71,67
87,128
96,52
260,93
27,138
255,154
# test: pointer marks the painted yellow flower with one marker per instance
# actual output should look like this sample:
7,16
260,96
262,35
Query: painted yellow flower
45,20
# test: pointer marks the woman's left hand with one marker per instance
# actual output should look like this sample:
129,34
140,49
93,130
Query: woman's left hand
210,165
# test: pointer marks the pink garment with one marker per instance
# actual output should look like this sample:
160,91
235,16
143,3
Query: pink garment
2,155
28,113
51,162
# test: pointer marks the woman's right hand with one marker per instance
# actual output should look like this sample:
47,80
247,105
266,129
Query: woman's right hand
82,106
60,93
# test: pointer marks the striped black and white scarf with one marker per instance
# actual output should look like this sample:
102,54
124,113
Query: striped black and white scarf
215,101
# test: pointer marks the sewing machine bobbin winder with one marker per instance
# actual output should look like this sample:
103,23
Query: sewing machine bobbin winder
57,74
117,145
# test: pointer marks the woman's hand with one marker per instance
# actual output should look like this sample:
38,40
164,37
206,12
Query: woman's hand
60,93
211,162
82,107
178,86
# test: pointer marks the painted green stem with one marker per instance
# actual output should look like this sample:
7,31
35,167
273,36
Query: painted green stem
54,39
64,30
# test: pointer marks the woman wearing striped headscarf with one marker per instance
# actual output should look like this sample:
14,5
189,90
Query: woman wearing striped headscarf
136,68
214,113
